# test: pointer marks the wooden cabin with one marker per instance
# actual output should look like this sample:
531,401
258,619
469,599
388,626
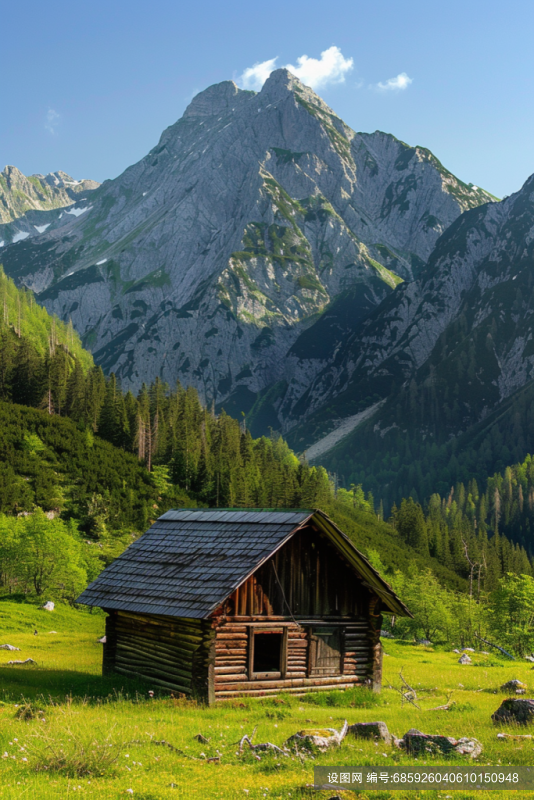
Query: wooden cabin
222,603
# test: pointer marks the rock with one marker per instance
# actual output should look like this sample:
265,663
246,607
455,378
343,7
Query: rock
48,606
464,659
371,730
386,635
467,650
417,743
515,710
424,641
8,647
529,658
102,640
27,661
456,651
513,686
318,739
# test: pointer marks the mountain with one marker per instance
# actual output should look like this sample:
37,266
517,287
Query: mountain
21,195
452,355
259,229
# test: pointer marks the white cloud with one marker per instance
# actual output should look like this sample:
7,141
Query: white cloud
254,77
331,67
52,120
397,84
317,72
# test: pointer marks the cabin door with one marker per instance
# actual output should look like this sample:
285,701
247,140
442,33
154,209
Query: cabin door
325,651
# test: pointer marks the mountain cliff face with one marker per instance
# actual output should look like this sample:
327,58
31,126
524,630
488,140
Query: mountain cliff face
20,195
217,253
452,355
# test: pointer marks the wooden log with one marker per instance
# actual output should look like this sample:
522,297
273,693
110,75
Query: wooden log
184,641
140,658
173,649
233,651
152,663
231,629
294,690
158,681
280,683
192,626
169,643
159,631
221,637
154,647
224,679
231,670
154,672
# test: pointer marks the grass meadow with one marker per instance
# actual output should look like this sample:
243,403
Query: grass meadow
67,732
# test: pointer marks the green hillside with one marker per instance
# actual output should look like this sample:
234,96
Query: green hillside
20,313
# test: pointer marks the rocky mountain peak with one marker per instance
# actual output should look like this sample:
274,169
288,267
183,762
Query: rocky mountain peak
220,98
208,259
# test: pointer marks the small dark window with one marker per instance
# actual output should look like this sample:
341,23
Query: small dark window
267,656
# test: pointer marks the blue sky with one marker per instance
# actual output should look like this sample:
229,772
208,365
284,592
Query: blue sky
89,87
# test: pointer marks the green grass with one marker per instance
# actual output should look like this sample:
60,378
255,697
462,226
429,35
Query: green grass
112,726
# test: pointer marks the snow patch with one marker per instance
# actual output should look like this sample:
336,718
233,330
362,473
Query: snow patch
42,228
2,243
60,215
101,262
18,237
144,194
77,212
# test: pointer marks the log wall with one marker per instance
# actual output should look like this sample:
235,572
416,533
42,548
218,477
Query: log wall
170,652
231,670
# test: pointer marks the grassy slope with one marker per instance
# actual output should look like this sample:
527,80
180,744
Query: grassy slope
69,661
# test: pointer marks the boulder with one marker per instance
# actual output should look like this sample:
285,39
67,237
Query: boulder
464,659
319,738
513,686
520,711
371,730
417,743
48,606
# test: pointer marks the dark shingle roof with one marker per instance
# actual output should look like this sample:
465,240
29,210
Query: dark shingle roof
191,560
